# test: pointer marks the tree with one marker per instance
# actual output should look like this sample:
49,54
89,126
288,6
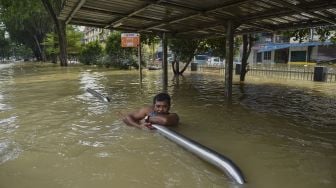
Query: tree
4,45
324,33
74,45
152,41
22,51
91,53
27,23
184,50
118,55
216,46
327,32
248,41
60,27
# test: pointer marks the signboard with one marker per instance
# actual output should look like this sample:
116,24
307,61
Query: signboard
130,40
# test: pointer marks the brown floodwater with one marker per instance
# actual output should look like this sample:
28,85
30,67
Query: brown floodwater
281,133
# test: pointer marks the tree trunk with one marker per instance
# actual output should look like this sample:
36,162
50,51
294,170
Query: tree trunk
36,54
39,48
60,27
54,54
185,67
247,45
174,64
62,43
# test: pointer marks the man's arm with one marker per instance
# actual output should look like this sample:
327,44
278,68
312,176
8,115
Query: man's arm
134,118
171,119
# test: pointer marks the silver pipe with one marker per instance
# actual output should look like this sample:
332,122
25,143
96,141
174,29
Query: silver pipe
98,95
207,154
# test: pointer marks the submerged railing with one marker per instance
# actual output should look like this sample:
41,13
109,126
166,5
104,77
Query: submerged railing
273,70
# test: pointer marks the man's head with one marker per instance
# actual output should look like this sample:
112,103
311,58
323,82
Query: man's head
161,103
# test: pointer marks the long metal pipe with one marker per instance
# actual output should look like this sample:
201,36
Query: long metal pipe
98,95
209,155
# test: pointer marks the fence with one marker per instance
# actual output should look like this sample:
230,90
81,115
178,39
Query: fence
272,70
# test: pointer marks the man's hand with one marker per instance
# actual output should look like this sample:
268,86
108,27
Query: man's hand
148,126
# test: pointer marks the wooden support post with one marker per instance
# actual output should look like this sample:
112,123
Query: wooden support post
229,59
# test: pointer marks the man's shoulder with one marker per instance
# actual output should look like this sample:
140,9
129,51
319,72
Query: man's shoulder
147,109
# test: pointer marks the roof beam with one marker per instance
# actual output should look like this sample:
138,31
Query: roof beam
91,22
171,21
74,11
268,15
303,10
260,27
247,20
201,29
119,21
184,17
284,27
108,12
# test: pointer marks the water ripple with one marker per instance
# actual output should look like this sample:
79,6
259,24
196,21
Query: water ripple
9,150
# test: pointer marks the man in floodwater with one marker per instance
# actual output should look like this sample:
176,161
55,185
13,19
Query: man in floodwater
158,113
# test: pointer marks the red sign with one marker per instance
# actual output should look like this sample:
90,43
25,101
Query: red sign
130,40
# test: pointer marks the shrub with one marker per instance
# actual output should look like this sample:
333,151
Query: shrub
91,54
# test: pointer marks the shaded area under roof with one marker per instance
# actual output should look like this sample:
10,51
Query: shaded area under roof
194,18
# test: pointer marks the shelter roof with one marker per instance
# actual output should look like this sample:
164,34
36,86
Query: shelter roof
199,18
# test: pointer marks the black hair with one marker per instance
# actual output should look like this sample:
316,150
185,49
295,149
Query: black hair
162,97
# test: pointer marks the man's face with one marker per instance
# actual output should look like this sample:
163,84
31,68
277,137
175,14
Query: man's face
161,107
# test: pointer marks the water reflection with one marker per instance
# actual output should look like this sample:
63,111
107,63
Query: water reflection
9,150
94,80
309,109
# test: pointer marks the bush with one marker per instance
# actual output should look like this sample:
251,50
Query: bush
119,57
91,54
126,63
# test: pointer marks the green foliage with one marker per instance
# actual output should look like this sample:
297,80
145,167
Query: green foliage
4,45
185,49
27,23
91,54
217,46
122,64
22,51
149,39
299,35
74,37
326,32
118,56
74,46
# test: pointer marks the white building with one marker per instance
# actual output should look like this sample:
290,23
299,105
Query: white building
95,34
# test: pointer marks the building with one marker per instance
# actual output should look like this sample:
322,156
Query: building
95,34
272,48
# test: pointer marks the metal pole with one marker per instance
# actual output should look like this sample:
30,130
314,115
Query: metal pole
139,62
207,154
164,62
229,60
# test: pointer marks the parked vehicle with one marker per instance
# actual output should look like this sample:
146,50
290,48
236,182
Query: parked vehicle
215,61
200,59
170,59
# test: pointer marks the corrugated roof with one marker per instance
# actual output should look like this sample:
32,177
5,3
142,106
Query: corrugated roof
199,18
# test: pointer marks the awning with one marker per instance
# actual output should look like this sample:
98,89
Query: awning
277,46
